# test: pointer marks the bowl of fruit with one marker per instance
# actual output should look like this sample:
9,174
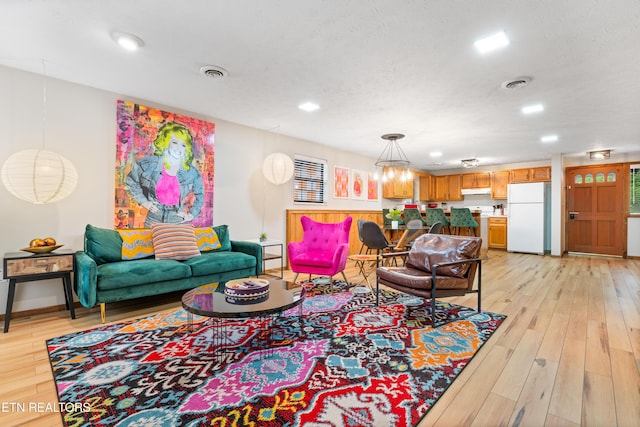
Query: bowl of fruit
42,246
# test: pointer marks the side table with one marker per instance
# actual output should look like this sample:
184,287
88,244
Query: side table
26,267
266,256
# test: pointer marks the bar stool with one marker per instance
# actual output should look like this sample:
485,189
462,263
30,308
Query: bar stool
413,214
437,215
461,217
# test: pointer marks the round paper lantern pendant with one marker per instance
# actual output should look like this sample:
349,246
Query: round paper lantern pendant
39,176
277,168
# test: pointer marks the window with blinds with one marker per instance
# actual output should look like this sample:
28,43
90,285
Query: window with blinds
309,180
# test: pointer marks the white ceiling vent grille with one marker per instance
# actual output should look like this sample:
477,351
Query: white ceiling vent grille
214,71
516,83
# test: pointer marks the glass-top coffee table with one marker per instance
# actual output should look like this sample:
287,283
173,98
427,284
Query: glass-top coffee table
210,302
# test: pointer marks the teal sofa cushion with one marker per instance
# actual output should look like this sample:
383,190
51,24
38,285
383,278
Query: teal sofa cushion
102,245
223,234
126,274
216,262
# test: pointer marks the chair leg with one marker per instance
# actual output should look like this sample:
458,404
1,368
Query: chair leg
344,276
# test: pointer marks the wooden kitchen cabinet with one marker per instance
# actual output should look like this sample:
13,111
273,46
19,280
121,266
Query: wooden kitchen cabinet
497,232
476,180
499,183
426,187
539,174
448,187
397,188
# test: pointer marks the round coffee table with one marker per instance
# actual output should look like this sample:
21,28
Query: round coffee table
207,301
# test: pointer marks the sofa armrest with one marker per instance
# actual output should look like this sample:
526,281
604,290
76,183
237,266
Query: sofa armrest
249,248
85,279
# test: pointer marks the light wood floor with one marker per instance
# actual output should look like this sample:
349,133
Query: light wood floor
567,355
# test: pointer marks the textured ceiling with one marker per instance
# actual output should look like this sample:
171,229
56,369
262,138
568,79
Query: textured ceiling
374,67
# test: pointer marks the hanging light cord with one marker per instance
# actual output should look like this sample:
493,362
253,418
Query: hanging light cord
44,100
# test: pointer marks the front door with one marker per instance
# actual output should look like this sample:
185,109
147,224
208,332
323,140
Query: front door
595,209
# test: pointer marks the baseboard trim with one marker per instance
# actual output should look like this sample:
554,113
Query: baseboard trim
37,311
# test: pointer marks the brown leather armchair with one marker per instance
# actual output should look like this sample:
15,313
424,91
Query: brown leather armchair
438,265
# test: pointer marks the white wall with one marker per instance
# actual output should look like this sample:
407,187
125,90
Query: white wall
81,126
633,236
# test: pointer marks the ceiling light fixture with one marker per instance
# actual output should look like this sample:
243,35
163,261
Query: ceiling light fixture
128,41
436,154
530,109
599,154
493,42
392,160
37,175
470,163
549,138
308,106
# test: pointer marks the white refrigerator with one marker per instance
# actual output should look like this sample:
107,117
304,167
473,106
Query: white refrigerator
526,217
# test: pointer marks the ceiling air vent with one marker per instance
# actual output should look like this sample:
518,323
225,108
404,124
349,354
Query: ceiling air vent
214,71
516,83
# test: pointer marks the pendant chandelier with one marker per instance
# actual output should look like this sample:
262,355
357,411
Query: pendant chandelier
37,175
393,161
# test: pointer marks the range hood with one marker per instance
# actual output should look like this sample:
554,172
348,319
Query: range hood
466,191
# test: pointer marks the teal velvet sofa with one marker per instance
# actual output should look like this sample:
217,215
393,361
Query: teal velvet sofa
102,276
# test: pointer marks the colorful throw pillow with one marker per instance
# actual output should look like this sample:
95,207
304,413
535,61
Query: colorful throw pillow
136,244
207,239
174,241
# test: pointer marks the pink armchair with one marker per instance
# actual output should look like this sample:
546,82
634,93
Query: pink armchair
323,250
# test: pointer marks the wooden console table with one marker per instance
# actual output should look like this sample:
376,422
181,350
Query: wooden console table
26,267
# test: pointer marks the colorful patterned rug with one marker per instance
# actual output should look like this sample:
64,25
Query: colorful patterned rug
348,363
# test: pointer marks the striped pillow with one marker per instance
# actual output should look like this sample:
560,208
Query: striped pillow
207,239
136,244
174,241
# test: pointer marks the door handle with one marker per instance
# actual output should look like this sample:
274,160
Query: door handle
572,215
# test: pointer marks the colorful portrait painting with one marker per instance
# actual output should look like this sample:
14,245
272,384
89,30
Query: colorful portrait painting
372,187
340,182
358,185
164,168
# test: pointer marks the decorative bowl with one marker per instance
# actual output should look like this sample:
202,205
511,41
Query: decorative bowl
41,249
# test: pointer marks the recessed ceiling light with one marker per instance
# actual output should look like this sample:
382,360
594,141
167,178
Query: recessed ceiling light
530,109
436,154
493,42
128,41
308,106
549,138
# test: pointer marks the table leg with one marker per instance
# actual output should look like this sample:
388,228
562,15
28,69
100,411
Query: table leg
68,294
10,295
